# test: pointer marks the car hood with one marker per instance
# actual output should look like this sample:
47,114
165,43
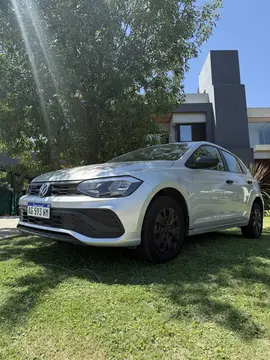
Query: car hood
102,170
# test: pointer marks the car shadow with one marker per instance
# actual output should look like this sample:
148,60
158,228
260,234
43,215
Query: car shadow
193,282
8,232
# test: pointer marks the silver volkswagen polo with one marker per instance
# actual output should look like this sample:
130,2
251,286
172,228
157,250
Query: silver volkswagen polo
150,199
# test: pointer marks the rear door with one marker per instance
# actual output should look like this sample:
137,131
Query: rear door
212,194
242,184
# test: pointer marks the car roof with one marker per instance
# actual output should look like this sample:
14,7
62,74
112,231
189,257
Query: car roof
197,144
200,143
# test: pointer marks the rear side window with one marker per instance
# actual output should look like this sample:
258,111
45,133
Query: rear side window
232,163
243,167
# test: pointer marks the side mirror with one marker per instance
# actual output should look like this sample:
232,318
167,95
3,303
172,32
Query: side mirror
206,162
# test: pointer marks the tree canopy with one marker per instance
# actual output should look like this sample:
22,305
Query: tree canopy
82,79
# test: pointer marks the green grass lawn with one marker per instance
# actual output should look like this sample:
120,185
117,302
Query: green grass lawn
267,222
58,301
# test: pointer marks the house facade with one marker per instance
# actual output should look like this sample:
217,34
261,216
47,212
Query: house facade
218,112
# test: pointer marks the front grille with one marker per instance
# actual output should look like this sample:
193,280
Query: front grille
95,223
54,221
57,189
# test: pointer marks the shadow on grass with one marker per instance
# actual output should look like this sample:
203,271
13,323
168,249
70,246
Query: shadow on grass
192,282
8,232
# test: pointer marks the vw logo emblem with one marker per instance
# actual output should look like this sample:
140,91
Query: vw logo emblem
45,190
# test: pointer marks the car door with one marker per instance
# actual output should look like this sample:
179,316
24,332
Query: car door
242,182
212,195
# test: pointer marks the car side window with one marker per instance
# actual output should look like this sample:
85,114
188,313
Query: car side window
232,163
243,167
207,150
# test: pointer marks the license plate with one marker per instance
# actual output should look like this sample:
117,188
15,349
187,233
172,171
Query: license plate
38,210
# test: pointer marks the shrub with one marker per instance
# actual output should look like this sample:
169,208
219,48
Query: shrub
261,173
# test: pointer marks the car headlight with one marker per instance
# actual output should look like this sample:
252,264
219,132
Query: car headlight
109,187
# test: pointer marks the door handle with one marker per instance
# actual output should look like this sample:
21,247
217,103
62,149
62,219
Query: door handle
230,182
249,182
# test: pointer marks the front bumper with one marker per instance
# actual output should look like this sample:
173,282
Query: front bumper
84,220
93,223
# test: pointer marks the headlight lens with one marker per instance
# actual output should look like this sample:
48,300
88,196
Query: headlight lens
109,187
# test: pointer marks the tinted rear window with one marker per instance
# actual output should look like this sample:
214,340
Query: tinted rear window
232,163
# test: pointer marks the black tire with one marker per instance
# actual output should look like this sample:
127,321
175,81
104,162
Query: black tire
255,226
163,230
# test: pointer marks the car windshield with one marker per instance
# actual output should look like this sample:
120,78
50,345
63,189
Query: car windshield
155,153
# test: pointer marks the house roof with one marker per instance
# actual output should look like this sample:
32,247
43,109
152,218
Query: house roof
7,160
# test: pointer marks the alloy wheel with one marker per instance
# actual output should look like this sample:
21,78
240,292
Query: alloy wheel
257,220
167,230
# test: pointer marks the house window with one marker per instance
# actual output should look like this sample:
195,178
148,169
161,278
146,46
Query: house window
191,132
185,132
259,133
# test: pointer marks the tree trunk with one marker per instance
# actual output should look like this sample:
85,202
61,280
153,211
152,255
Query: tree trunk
54,157
92,156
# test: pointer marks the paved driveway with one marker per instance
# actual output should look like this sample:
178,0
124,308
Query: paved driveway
8,226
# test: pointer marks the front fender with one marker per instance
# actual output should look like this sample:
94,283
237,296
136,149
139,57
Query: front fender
184,191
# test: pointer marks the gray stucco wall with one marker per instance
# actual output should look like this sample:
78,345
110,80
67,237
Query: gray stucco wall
225,67
231,126
220,78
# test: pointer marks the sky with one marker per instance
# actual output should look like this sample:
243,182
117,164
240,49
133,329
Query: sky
244,26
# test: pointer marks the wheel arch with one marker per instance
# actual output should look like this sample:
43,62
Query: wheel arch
259,201
174,194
